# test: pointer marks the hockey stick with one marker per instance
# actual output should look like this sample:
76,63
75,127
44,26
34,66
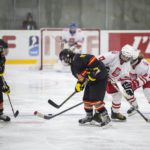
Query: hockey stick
116,86
47,117
58,106
15,113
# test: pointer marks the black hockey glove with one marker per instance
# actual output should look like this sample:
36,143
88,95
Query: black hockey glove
5,88
107,68
79,86
128,88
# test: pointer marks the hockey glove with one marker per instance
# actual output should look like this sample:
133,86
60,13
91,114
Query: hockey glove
5,88
128,88
79,86
107,68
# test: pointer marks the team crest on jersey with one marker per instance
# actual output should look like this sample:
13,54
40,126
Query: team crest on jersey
116,72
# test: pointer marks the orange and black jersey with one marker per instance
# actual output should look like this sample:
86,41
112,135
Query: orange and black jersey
3,44
82,64
2,63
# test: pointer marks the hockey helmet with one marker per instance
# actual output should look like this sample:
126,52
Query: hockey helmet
3,45
126,53
135,54
66,56
72,27
1,48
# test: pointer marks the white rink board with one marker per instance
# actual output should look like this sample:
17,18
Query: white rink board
25,46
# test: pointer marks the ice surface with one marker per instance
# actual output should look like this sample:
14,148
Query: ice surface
30,90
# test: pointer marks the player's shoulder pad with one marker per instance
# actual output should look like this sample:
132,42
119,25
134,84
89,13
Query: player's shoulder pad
145,62
65,30
82,55
114,52
79,30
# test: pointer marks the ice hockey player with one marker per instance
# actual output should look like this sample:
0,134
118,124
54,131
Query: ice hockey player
119,66
140,76
4,88
86,68
72,38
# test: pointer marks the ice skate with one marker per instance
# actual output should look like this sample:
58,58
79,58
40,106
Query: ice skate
106,122
87,119
132,111
117,116
4,117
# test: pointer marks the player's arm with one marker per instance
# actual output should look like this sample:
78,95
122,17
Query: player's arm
89,73
63,39
107,58
63,43
92,68
80,41
143,74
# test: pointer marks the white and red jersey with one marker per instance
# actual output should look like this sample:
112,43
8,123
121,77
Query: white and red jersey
119,71
140,73
76,39
139,69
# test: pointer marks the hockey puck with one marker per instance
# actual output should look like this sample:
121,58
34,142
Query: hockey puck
35,113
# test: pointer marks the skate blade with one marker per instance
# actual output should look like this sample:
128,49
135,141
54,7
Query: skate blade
96,124
86,124
109,125
117,120
133,113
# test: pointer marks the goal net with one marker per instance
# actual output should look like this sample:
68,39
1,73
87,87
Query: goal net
51,44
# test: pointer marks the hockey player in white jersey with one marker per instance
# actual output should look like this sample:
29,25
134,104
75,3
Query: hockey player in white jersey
140,76
119,67
72,38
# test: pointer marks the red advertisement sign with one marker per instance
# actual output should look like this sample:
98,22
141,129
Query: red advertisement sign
138,40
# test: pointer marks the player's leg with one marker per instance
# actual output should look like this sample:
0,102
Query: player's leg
2,115
116,103
95,92
88,107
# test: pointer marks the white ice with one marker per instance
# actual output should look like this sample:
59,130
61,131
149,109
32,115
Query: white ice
30,90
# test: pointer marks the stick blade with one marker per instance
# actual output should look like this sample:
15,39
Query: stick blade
53,104
38,114
16,114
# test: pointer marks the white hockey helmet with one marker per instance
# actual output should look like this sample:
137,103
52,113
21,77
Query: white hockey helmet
135,54
127,52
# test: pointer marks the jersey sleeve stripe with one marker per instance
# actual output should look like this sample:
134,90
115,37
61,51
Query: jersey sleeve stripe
91,60
83,73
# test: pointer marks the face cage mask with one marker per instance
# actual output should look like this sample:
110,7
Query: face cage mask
125,58
65,61
72,31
